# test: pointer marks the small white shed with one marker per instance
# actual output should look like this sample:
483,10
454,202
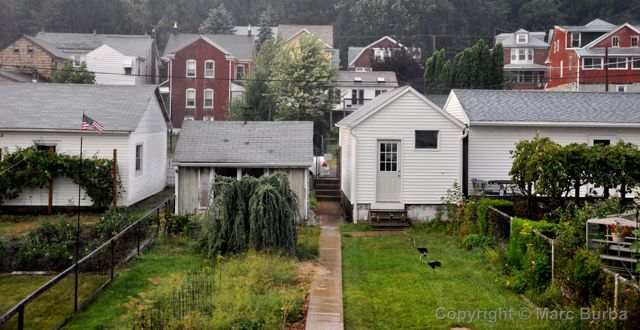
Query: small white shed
135,123
399,152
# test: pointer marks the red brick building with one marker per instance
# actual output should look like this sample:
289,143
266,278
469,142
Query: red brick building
361,58
525,54
579,55
204,72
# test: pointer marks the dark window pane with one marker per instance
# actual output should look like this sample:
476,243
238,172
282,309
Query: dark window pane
231,172
381,167
394,147
254,172
426,139
394,167
602,142
382,147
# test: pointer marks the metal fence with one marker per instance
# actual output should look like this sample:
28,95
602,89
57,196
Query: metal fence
499,224
53,304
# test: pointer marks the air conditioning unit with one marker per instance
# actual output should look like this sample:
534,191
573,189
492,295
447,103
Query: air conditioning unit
357,79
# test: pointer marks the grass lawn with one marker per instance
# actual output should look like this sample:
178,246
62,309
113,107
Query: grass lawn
387,287
17,225
15,288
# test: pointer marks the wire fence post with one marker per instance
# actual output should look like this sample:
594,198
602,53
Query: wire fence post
21,317
553,260
158,221
138,235
615,293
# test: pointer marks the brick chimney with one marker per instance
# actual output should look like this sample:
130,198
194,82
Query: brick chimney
201,30
249,33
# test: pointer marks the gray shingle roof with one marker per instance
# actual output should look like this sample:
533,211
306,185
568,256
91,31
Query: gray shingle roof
438,99
353,52
55,51
239,46
322,32
269,143
60,106
16,76
535,40
369,79
243,30
131,46
549,107
86,42
597,25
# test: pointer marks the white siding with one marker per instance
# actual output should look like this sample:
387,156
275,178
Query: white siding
346,161
426,174
369,94
489,147
65,192
108,64
455,109
152,134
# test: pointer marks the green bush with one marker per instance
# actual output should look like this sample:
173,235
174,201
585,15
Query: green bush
521,235
177,223
112,223
473,241
313,200
49,246
586,274
482,224
551,297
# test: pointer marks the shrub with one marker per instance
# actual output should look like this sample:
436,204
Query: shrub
111,223
177,223
482,222
521,235
586,276
313,200
472,241
551,297
48,246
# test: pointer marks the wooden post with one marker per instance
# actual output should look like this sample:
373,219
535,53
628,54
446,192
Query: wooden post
115,179
50,202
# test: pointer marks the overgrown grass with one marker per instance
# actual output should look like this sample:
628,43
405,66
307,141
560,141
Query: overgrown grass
15,288
17,225
386,285
308,242
152,268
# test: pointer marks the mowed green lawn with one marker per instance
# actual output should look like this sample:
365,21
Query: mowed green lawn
387,287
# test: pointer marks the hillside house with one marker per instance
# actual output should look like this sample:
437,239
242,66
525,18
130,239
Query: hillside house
205,71
576,60
234,149
50,115
525,54
291,34
362,58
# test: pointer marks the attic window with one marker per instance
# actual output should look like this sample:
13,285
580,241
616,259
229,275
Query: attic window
634,41
29,49
615,42
16,48
357,79
380,79
522,38
575,39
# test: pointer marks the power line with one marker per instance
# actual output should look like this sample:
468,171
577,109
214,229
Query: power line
622,13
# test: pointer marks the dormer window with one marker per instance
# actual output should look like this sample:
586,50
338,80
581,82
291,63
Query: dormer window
381,79
634,41
575,39
522,38
615,41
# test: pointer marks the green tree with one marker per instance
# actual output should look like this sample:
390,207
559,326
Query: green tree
436,75
496,79
485,65
258,104
72,75
408,69
219,21
268,19
576,160
303,84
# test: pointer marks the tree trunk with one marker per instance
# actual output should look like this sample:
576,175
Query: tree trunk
50,202
576,188
529,200
623,191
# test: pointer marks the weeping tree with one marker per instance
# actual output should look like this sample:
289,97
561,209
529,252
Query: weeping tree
251,213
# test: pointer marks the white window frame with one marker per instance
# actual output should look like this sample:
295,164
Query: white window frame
139,157
195,68
186,98
615,42
624,88
561,69
624,60
633,61
579,39
205,98
415,136
213,69
514,55
636,38
592,67
526,38
244,71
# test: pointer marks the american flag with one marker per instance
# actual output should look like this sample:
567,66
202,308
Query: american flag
86,122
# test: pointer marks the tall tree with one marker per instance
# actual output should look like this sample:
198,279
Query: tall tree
219,21
496,81
268,19
408,69
303,84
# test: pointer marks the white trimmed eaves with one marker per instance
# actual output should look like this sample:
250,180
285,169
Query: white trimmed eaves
607,35
227,53
304,30
466,120
553,124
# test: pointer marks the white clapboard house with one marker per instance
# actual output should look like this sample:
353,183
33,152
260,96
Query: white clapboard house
401,152
50,115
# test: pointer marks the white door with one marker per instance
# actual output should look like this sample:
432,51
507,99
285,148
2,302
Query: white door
388,178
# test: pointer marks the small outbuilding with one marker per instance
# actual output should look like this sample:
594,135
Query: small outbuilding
399,153
207,149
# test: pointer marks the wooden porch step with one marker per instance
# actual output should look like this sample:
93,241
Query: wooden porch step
328,198
327,192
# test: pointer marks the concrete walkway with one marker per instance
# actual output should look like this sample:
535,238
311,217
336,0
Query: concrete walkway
325,306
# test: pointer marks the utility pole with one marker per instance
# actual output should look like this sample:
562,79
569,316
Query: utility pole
606,69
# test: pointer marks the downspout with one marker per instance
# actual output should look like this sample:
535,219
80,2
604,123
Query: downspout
171,92
463,170
177,187
578,74
306,193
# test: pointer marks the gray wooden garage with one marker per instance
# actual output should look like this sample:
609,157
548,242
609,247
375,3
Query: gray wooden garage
207,149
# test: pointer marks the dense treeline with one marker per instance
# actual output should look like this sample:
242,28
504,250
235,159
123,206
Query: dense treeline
457,24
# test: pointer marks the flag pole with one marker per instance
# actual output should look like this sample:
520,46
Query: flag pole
75,300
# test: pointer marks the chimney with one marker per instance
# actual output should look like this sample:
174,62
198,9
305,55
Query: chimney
175,27
201,30
94,32
249,30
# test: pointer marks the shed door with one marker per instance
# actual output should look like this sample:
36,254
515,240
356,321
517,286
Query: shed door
388,177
